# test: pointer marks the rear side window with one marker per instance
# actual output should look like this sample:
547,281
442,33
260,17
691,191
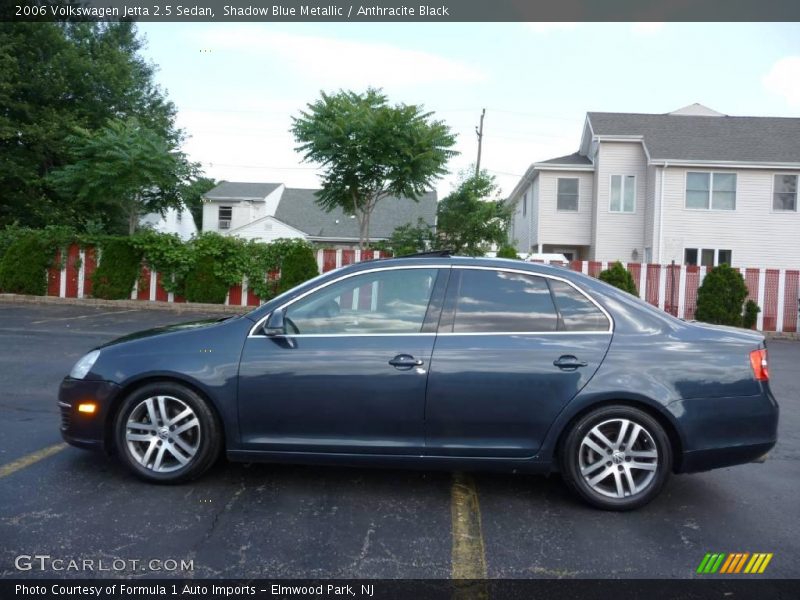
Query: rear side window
576,312
498,301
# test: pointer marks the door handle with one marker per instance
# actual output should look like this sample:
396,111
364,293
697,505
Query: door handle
569,363
405,361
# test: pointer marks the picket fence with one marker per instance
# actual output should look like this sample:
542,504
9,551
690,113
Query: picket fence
672,288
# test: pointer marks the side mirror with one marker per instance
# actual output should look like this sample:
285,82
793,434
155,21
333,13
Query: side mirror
275,324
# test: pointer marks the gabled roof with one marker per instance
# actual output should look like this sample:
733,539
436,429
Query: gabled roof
711,137
576,159
299,209
237,190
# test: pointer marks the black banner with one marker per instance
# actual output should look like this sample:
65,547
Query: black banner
382,589
401,11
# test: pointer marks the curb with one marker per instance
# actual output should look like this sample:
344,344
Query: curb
178,307
791,336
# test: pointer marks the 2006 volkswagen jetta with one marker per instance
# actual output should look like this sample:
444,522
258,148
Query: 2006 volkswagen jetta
440,362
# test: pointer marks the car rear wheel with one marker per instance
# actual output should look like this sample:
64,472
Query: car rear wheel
616,458
166,433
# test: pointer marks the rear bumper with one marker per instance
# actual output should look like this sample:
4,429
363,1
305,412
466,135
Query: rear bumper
720,432
79,429
705,460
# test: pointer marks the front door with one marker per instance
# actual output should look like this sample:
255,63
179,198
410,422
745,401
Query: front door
349,374
513,348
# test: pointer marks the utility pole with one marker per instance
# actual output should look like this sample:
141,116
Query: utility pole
479,131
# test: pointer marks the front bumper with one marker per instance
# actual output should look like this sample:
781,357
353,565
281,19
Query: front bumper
88,431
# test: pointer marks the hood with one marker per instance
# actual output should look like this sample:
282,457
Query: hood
167,329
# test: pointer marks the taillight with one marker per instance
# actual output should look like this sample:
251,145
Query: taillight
758,360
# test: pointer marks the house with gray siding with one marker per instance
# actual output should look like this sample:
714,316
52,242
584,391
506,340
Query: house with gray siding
694,186
269,211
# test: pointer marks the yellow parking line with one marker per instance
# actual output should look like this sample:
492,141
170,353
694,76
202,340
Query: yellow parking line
469,554
28,460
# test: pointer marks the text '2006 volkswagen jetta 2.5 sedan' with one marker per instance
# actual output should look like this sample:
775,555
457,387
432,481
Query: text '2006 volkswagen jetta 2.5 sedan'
435,362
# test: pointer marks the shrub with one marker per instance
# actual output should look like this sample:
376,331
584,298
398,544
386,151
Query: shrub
619,277
408,239
507,251
298,264
120,265
750,318
203,284
720,297
10,234
23,268
167,254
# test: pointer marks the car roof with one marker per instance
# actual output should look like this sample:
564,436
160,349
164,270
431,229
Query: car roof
439,259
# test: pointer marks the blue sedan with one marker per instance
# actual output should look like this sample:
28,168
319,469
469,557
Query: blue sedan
435,362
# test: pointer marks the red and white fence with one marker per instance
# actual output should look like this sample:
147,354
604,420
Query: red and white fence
672,288
73,279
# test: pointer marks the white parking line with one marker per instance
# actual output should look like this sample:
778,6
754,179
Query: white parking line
111,312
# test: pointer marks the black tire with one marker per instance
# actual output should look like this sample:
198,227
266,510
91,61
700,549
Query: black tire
573,453
205,438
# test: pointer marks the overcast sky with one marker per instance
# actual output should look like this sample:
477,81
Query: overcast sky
236,86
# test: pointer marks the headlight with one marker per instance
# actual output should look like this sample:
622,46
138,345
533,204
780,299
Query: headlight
82,367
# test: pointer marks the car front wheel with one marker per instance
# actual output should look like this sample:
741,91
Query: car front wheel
616,458
166,433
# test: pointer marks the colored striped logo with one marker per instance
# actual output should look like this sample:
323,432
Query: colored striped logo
737,562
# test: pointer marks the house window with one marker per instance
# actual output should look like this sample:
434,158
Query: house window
225,215
784,193
709,257
567,194
524,204
716,191
623,193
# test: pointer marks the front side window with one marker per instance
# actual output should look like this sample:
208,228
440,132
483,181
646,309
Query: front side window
623,193
567,194
382,302
503,302
784,195
716,191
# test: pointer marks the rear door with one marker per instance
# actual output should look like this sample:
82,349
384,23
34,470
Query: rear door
513,349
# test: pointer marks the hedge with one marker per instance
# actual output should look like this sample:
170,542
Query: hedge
198,269
120,265
23,268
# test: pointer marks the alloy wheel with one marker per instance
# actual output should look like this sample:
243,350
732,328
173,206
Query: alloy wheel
162,434
618,458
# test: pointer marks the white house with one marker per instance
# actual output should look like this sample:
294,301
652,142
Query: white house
694,186
268,211
173,220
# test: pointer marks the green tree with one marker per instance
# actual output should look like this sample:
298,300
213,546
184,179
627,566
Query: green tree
721,296
468,221
125,168
507,251
54,78
410,239
370,150
619,277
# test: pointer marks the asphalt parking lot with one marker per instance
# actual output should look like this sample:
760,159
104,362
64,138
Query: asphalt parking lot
312,522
